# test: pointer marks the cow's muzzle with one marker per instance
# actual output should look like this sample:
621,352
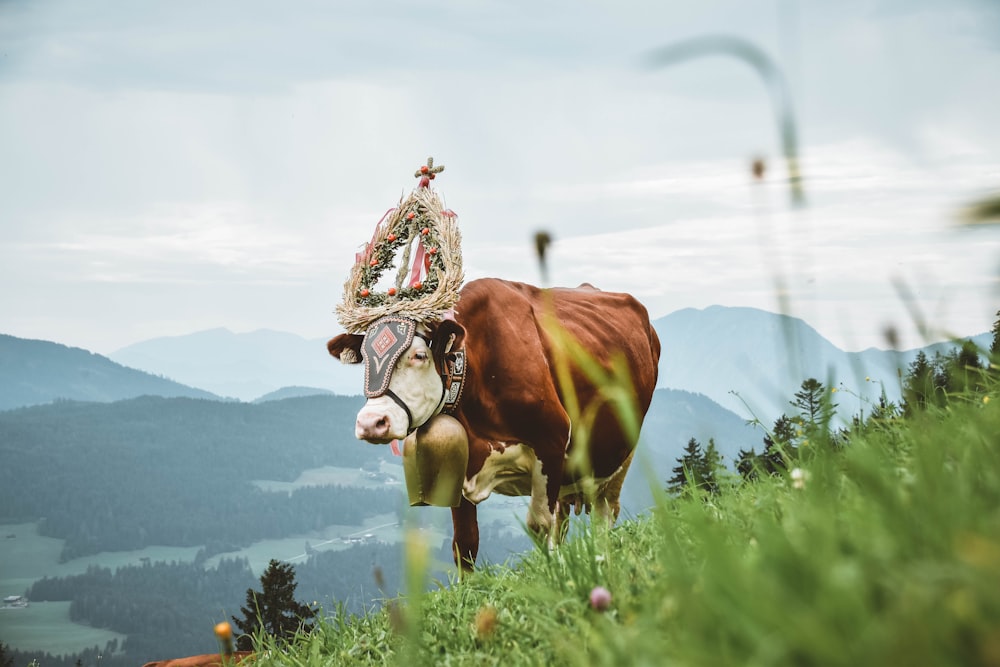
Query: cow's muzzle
376,426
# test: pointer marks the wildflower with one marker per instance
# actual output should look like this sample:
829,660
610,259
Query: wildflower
986,399
600,598
223,630
868,379
224,633
486,622
798,476
833,391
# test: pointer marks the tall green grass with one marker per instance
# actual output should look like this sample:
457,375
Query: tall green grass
885,551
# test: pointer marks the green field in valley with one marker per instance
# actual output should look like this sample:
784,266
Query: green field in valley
45,626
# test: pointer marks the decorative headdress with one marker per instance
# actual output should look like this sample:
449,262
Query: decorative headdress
426,287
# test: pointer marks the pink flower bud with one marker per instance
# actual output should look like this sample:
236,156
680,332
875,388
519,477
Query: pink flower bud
600,598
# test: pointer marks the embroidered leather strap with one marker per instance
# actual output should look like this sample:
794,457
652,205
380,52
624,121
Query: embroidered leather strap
455,381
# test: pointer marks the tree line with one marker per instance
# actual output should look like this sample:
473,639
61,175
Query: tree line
169,609
929,383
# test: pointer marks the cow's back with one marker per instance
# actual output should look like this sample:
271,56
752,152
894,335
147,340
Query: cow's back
507,339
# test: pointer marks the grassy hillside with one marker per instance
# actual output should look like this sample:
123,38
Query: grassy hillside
881,551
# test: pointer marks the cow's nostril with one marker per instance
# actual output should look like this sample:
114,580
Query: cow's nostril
382,425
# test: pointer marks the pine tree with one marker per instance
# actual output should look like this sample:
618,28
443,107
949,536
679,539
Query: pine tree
995,345
772,461
273,609
919,384
711,468
965,368
698,469
816,410
689,470
746,464
6,660
779,446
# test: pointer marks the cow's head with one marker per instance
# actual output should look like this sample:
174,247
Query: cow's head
404,366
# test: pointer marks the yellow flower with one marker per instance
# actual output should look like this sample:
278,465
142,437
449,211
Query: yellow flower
986,399
223,630
833,391
486,622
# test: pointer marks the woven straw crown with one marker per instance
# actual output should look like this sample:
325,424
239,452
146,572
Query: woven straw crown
425,288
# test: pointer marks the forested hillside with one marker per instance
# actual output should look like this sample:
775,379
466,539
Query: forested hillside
125,475
37,371
151,470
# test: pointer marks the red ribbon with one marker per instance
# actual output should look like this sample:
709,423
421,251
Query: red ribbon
365,255
421,262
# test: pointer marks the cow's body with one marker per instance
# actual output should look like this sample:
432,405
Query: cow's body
204,660
513,408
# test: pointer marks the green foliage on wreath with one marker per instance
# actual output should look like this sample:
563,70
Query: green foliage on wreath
382,255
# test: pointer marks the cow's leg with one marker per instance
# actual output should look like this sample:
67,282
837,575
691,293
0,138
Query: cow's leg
542,513
465,544
607,503
565,506
540,518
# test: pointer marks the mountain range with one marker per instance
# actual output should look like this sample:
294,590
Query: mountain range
749,361
752,361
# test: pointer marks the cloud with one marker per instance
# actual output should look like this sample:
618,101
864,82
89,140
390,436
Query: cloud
163,157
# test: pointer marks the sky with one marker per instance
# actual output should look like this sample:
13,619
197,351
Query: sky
167,168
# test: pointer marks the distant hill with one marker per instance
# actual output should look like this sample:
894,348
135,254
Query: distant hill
34,372
244,366
675,417
292,392
764,358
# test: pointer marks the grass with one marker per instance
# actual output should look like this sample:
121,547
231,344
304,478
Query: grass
886,553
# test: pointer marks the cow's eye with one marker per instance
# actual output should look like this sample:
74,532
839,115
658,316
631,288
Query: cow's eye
420,356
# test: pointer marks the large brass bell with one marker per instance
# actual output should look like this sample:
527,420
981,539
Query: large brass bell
434,460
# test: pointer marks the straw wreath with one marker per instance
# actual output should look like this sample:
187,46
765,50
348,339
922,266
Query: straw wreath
421,215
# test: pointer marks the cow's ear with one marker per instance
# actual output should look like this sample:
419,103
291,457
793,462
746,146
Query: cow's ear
448,337
346,347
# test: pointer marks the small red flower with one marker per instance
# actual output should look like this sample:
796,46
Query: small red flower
390,238
373,263
411,215
392,291
425,231
365,293
424,169
418,285
432,251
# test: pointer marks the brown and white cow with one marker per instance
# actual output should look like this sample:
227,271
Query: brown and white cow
512,406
